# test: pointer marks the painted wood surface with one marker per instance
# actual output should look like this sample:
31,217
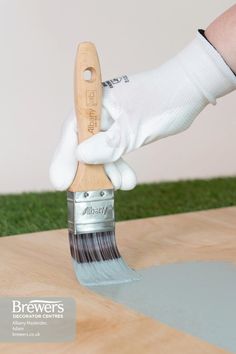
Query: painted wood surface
39,264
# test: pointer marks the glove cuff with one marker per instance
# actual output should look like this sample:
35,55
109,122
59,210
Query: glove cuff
207,69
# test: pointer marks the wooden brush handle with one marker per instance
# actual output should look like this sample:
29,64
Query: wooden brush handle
88,98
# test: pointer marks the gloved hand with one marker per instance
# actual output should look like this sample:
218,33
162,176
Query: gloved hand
140,109
64,163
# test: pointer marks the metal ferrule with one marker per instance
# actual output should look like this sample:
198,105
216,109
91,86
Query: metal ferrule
91,211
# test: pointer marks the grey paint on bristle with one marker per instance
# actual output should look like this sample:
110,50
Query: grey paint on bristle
195,297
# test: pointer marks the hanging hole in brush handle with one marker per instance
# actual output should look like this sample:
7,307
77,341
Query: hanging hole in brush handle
89,74
88,101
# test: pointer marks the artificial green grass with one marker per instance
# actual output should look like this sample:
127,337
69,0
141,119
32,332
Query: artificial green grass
30,212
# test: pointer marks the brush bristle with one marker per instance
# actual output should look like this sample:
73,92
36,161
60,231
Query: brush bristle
103,273
97,261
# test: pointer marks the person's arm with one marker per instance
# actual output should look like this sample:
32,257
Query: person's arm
221,33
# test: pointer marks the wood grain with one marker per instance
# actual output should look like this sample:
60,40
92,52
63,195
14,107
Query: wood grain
39,264
88,98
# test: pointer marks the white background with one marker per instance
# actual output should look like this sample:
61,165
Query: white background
38,43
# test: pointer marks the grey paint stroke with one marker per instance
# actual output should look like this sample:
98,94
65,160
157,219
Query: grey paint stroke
195,297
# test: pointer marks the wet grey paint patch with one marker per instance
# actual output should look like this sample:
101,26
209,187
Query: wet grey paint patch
198,298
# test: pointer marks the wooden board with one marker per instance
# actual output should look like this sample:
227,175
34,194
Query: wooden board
39,264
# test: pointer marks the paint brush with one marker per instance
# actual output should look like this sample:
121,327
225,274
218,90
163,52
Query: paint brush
90,198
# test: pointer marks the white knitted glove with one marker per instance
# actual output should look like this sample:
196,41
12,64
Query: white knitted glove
152,105
64,163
